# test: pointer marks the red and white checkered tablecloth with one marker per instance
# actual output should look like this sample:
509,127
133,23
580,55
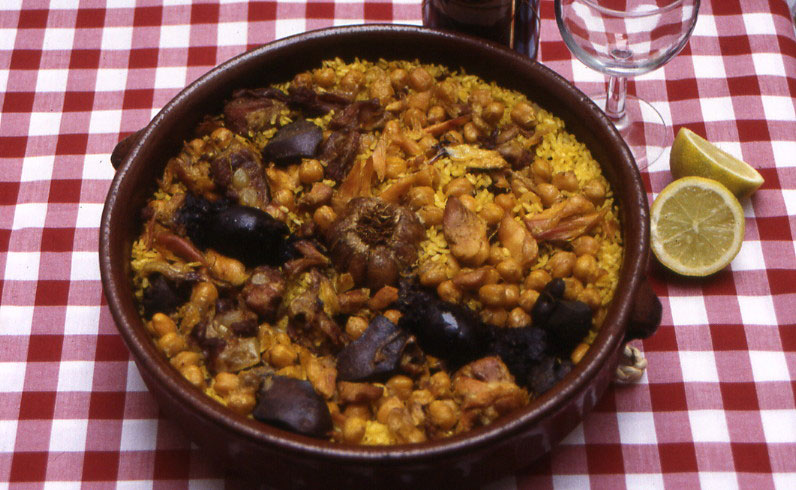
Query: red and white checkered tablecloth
716,408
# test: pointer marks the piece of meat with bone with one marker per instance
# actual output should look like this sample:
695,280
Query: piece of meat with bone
310,303
465,233
486,390
263,293
239,171
253,110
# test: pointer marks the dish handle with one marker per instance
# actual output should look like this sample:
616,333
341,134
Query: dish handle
646,314
644,321
122,148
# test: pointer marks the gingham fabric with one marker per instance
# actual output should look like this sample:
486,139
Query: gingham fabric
716,407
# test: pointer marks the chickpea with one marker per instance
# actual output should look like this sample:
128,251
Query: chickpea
355,326
510,270
528,299
506,201
163,324
561,264
446,91
496,317
432,273
281,355
530,197
361,410
452,266
381,89
511,295
221,136
439,384
422,397
491,275
388,405
419,100
566,181
302,80
400,386
585,268
396,167
470,279
442,414
241,402
585,245
459,187
420,196
399,78
325,77
204,294
324,216
491,213
172,344
480,97
196,146
548,193
524,115
414,117
468,202
518,318
591,297
537,279
572,289
224,383
436,114
392,315
427,144
286,198
310,171
184,359
519,187
431,215
447,291
492,294
471,133
428,176
578,353
353,430
194,375
493,112
420,79
542,170
497,254
453,137
351,81
594,190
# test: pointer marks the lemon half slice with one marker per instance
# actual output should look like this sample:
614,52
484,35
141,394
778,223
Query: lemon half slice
693,155
697,226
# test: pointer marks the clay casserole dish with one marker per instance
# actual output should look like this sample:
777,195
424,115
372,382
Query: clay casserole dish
280,458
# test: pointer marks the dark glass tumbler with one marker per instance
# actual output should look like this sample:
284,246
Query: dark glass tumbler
513,23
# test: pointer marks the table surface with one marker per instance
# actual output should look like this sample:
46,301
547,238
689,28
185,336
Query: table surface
716,407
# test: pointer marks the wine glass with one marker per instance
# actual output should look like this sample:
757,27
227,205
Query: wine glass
622,38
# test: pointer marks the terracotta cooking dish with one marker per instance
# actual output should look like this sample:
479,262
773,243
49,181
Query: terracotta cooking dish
281,459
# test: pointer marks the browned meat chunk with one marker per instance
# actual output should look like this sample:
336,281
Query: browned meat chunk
263,293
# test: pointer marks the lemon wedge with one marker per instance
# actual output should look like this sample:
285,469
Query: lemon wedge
693,155
697,226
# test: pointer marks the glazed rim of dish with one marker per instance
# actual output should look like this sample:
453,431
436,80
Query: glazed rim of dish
114,248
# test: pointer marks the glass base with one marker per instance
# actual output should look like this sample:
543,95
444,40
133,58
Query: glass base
642,128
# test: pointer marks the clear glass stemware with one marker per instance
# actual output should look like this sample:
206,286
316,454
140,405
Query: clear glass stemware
624,38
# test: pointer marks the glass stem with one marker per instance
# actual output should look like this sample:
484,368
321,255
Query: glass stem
615,101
